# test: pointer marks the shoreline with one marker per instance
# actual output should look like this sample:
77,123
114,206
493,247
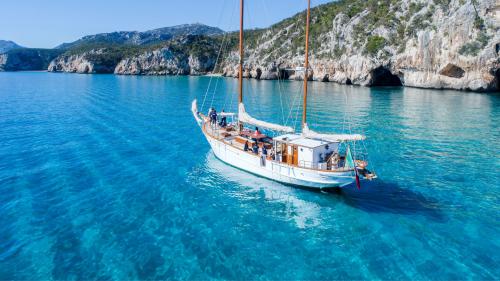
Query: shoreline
220,75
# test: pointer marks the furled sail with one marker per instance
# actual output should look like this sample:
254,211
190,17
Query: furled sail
244,117
306,132
194,109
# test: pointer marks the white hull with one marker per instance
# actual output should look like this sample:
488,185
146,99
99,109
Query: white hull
278,171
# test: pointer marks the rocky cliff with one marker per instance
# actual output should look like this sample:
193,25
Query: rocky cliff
185,55
189,55
451,44
102,60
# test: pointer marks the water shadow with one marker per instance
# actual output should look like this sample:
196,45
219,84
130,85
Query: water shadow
388,197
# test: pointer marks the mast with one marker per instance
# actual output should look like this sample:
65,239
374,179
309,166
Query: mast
306,65
240,100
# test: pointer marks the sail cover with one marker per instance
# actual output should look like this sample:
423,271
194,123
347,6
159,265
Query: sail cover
306,132
244,117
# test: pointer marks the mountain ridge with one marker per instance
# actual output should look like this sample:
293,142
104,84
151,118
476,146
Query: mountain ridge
6,45
144,37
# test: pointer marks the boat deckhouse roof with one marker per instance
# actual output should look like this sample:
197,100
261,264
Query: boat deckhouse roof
300,140
309,143
286,138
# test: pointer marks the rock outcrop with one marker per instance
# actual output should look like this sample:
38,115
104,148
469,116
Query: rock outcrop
93,61
164,61
186,55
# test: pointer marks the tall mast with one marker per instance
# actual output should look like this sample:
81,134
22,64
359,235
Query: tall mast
241,53
306,65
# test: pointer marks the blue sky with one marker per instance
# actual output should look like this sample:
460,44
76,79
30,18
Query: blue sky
47,23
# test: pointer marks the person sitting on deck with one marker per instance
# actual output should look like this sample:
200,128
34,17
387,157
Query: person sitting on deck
255,148
246,146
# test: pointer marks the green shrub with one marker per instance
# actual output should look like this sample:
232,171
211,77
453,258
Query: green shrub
470,49
473,48
374,44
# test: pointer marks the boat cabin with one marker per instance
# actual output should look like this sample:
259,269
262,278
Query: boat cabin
305,152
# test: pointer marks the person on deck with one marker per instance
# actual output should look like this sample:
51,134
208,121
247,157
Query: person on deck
264,151
223,120
256,134
211,115
255,148
246,146
214,117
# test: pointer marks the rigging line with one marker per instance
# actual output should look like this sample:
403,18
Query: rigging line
218,56
232,95
280,90
231,102
292,107
297,32
299,104
298,27
215,90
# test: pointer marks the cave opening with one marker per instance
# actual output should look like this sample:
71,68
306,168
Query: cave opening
382,76
283,74
348,81
258,73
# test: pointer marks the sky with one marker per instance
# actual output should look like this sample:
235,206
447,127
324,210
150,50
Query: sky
48,23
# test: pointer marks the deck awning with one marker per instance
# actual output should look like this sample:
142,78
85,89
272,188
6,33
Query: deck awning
244,117
306,132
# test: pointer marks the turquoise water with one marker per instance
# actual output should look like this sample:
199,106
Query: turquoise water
108,177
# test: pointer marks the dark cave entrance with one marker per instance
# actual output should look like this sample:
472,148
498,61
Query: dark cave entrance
258,73
283,74
382,76
348,81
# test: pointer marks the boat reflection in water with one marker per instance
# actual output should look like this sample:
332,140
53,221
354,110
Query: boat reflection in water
303,213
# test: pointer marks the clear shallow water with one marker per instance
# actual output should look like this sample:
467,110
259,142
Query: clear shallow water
106,177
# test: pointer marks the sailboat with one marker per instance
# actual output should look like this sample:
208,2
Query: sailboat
307,159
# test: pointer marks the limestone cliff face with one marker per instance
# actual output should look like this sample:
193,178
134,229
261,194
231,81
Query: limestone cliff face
165,61
93,61
452,44
158,62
